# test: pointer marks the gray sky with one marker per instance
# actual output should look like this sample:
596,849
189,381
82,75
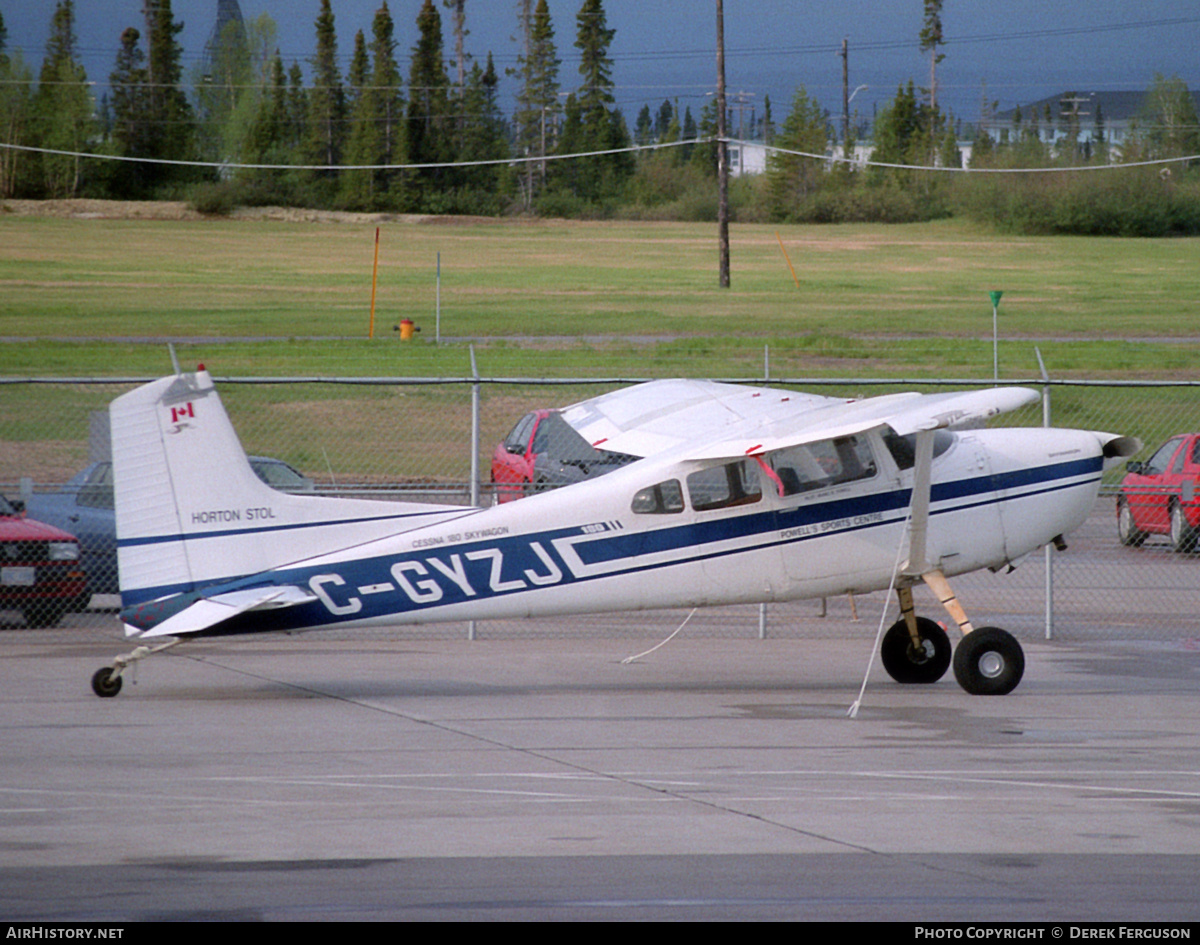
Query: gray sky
1023,49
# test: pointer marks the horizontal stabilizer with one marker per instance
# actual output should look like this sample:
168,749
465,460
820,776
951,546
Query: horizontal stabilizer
210,611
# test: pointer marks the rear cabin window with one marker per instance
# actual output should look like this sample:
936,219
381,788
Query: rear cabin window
724,486
659,499
821,464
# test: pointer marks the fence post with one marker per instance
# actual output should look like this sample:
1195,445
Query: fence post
474,430
1048,551
474,444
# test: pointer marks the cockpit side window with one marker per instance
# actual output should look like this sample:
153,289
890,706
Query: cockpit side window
904,448
723,486
659,499
820,464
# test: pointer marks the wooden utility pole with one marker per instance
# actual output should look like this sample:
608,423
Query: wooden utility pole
845,54
722,155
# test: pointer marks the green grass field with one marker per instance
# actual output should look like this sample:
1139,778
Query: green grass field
81,297
100,298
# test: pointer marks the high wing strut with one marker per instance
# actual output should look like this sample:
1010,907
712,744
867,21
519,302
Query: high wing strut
918,565
922,488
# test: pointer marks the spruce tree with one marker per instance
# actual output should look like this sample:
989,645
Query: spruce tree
792,178
132,135
357,186
389,99
689,134
537,114
62,106
643,128
326,100
483,139
360,70
458,18
270,122
601,126
16,84
429,125
169,113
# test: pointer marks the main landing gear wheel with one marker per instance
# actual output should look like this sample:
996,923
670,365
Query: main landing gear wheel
989,662
909,663
105,682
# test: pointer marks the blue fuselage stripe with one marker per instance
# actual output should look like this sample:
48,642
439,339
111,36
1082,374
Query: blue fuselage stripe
725,528
512,564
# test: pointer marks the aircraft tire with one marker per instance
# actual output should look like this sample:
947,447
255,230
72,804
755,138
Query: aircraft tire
989,662
105,683
908,664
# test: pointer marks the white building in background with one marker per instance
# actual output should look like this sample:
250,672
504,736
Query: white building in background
1094,116
747,157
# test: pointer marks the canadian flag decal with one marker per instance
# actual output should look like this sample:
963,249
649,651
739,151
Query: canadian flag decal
178,413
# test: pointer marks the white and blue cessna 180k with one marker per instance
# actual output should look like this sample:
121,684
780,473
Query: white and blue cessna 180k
739,495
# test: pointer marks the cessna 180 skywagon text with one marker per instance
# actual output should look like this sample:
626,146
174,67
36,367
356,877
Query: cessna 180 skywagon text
740,495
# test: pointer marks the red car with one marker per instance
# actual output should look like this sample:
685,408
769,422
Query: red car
39,569
1158,497
543,452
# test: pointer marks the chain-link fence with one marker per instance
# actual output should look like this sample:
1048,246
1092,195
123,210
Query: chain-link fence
462,441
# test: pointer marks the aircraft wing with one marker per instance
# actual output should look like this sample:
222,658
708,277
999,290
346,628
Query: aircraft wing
709,420
661,415
904,413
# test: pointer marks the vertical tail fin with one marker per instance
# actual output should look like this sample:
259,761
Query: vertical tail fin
148,425
191,511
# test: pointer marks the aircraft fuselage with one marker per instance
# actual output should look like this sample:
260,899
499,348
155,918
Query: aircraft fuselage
996,496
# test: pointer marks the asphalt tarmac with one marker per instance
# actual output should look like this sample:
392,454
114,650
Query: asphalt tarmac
391,776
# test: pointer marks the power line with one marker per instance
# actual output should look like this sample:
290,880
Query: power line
826,158
973,170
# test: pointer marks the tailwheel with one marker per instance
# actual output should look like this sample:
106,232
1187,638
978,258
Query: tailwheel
106,682
989,662
909,661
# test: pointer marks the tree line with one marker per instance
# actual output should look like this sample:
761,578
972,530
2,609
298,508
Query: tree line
338,138
335,140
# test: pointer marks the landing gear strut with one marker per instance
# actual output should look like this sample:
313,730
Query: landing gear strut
106,681
987,661
915,649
